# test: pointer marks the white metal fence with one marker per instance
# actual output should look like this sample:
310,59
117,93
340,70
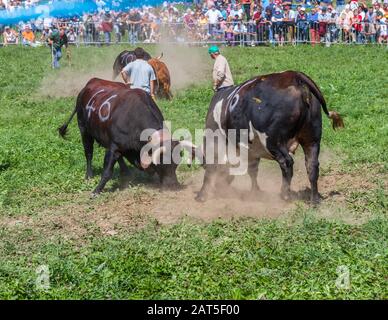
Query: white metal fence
231,34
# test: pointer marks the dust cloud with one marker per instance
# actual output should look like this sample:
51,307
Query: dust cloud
225,202
236,200
187,66
68,82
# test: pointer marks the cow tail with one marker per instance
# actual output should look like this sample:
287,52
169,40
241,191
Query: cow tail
335,117
63,129
116,68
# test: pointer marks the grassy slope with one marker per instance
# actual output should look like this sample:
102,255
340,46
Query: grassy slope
242,259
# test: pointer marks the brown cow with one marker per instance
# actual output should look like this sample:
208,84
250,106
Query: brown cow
162,77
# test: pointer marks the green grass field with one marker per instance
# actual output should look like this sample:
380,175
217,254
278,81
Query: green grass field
296,256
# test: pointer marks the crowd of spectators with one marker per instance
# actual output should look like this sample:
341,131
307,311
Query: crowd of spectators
11,5
233,22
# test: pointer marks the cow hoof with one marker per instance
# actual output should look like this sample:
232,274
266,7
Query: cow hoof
200,197
315,202
94,195
123,185
286,197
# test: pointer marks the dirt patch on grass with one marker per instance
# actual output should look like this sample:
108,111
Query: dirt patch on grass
113,213
226,202
122,212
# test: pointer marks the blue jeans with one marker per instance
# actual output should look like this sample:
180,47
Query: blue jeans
107,37
57,55
133,35
89,38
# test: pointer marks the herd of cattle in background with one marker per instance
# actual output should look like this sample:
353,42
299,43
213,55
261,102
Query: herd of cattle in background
278,112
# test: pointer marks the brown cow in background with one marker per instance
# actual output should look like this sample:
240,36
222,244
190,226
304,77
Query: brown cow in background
162,77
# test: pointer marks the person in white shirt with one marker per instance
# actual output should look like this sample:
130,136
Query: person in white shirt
213,15
240,33
237,10
10,36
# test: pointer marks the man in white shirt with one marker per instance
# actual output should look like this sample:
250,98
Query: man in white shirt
10,36
240,33
237,10
213,15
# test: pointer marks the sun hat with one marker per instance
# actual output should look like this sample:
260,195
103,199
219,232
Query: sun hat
214,49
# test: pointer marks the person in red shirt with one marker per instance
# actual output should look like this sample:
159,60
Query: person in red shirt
357,25
260,25
107,27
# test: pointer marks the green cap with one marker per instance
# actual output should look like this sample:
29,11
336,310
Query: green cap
214,49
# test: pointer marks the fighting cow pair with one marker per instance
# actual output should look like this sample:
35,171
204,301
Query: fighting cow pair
278,112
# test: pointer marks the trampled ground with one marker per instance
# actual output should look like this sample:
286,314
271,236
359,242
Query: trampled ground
140,243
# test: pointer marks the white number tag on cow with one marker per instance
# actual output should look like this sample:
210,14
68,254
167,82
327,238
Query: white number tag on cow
106,104
104,110
89,107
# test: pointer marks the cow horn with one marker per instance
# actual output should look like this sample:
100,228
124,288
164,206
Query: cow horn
157,153
145,160
193,150
160,57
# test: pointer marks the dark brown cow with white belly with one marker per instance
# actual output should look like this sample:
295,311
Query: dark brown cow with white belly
271,115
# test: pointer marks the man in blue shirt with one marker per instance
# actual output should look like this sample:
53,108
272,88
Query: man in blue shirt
278,26
301,25
139,74
271,6
340,6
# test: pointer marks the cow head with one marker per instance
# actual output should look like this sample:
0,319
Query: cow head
164,154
